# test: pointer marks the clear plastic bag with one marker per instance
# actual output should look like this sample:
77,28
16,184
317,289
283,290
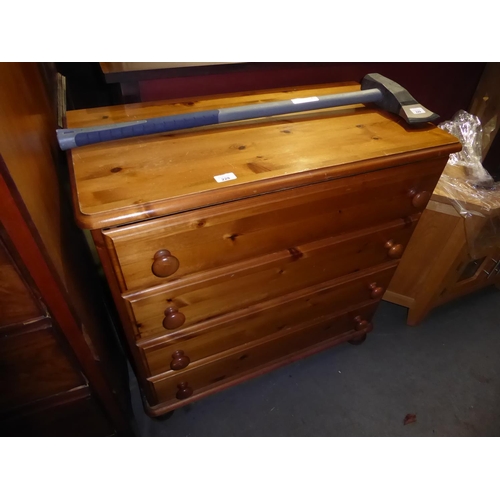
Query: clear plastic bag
469,186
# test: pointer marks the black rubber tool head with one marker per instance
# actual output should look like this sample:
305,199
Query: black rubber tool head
398,100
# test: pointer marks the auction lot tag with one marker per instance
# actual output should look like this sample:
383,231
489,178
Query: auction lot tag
225,177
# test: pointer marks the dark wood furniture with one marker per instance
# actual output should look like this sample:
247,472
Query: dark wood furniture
216,282
62,370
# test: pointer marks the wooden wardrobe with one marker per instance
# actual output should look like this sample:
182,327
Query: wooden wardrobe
63,372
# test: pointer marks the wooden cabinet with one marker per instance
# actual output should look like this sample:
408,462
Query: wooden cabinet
44,389
217,282
62,372
449,255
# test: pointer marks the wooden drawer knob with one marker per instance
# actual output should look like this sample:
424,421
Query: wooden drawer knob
164,264
362,325
376,291
173,319
420,199
179,361
184,391
395,250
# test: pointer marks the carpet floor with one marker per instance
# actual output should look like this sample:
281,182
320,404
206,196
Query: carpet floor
445,373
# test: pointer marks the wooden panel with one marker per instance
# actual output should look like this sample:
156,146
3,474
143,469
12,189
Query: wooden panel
17,303
255,322
34,366
269,223
75,413
138,178
45,237
241,361
209,295
431,237
486,274
75,308
28,146
463,194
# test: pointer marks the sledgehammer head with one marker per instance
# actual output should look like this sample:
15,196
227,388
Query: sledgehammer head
398,100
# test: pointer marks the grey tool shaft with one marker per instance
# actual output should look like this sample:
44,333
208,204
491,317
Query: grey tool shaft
296,105
375,88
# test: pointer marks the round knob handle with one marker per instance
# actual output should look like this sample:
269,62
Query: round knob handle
362,325
395,250
173,319
420,199
179,361
164,264
376,291
184,391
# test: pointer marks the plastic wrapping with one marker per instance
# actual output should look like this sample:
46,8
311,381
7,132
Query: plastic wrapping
469,187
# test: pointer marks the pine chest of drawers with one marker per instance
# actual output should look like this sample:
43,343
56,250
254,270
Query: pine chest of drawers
235,249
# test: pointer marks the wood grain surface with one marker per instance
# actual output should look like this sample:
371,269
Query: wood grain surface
44,238
432,268
17,302
219,282
264,319
27,145
248,228
241,361
460,188
214,293
34,366
138,178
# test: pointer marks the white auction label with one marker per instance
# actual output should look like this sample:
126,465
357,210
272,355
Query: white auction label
417,111
225,177
300,100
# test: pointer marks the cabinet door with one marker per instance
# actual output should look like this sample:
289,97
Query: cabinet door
473,275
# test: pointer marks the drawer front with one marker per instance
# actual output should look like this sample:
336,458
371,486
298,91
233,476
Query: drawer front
239,363
33,366
262,320
188,302
161,250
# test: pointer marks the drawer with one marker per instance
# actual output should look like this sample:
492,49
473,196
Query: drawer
239,363
33,366
262,320
198,298
165,249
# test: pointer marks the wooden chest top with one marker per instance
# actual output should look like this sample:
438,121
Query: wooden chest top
140,178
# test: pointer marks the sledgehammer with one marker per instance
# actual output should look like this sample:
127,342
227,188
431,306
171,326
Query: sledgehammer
375,88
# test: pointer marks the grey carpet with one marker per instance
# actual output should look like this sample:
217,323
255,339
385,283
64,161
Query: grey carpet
445,371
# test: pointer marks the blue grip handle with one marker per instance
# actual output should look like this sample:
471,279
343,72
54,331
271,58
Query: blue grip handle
151,126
